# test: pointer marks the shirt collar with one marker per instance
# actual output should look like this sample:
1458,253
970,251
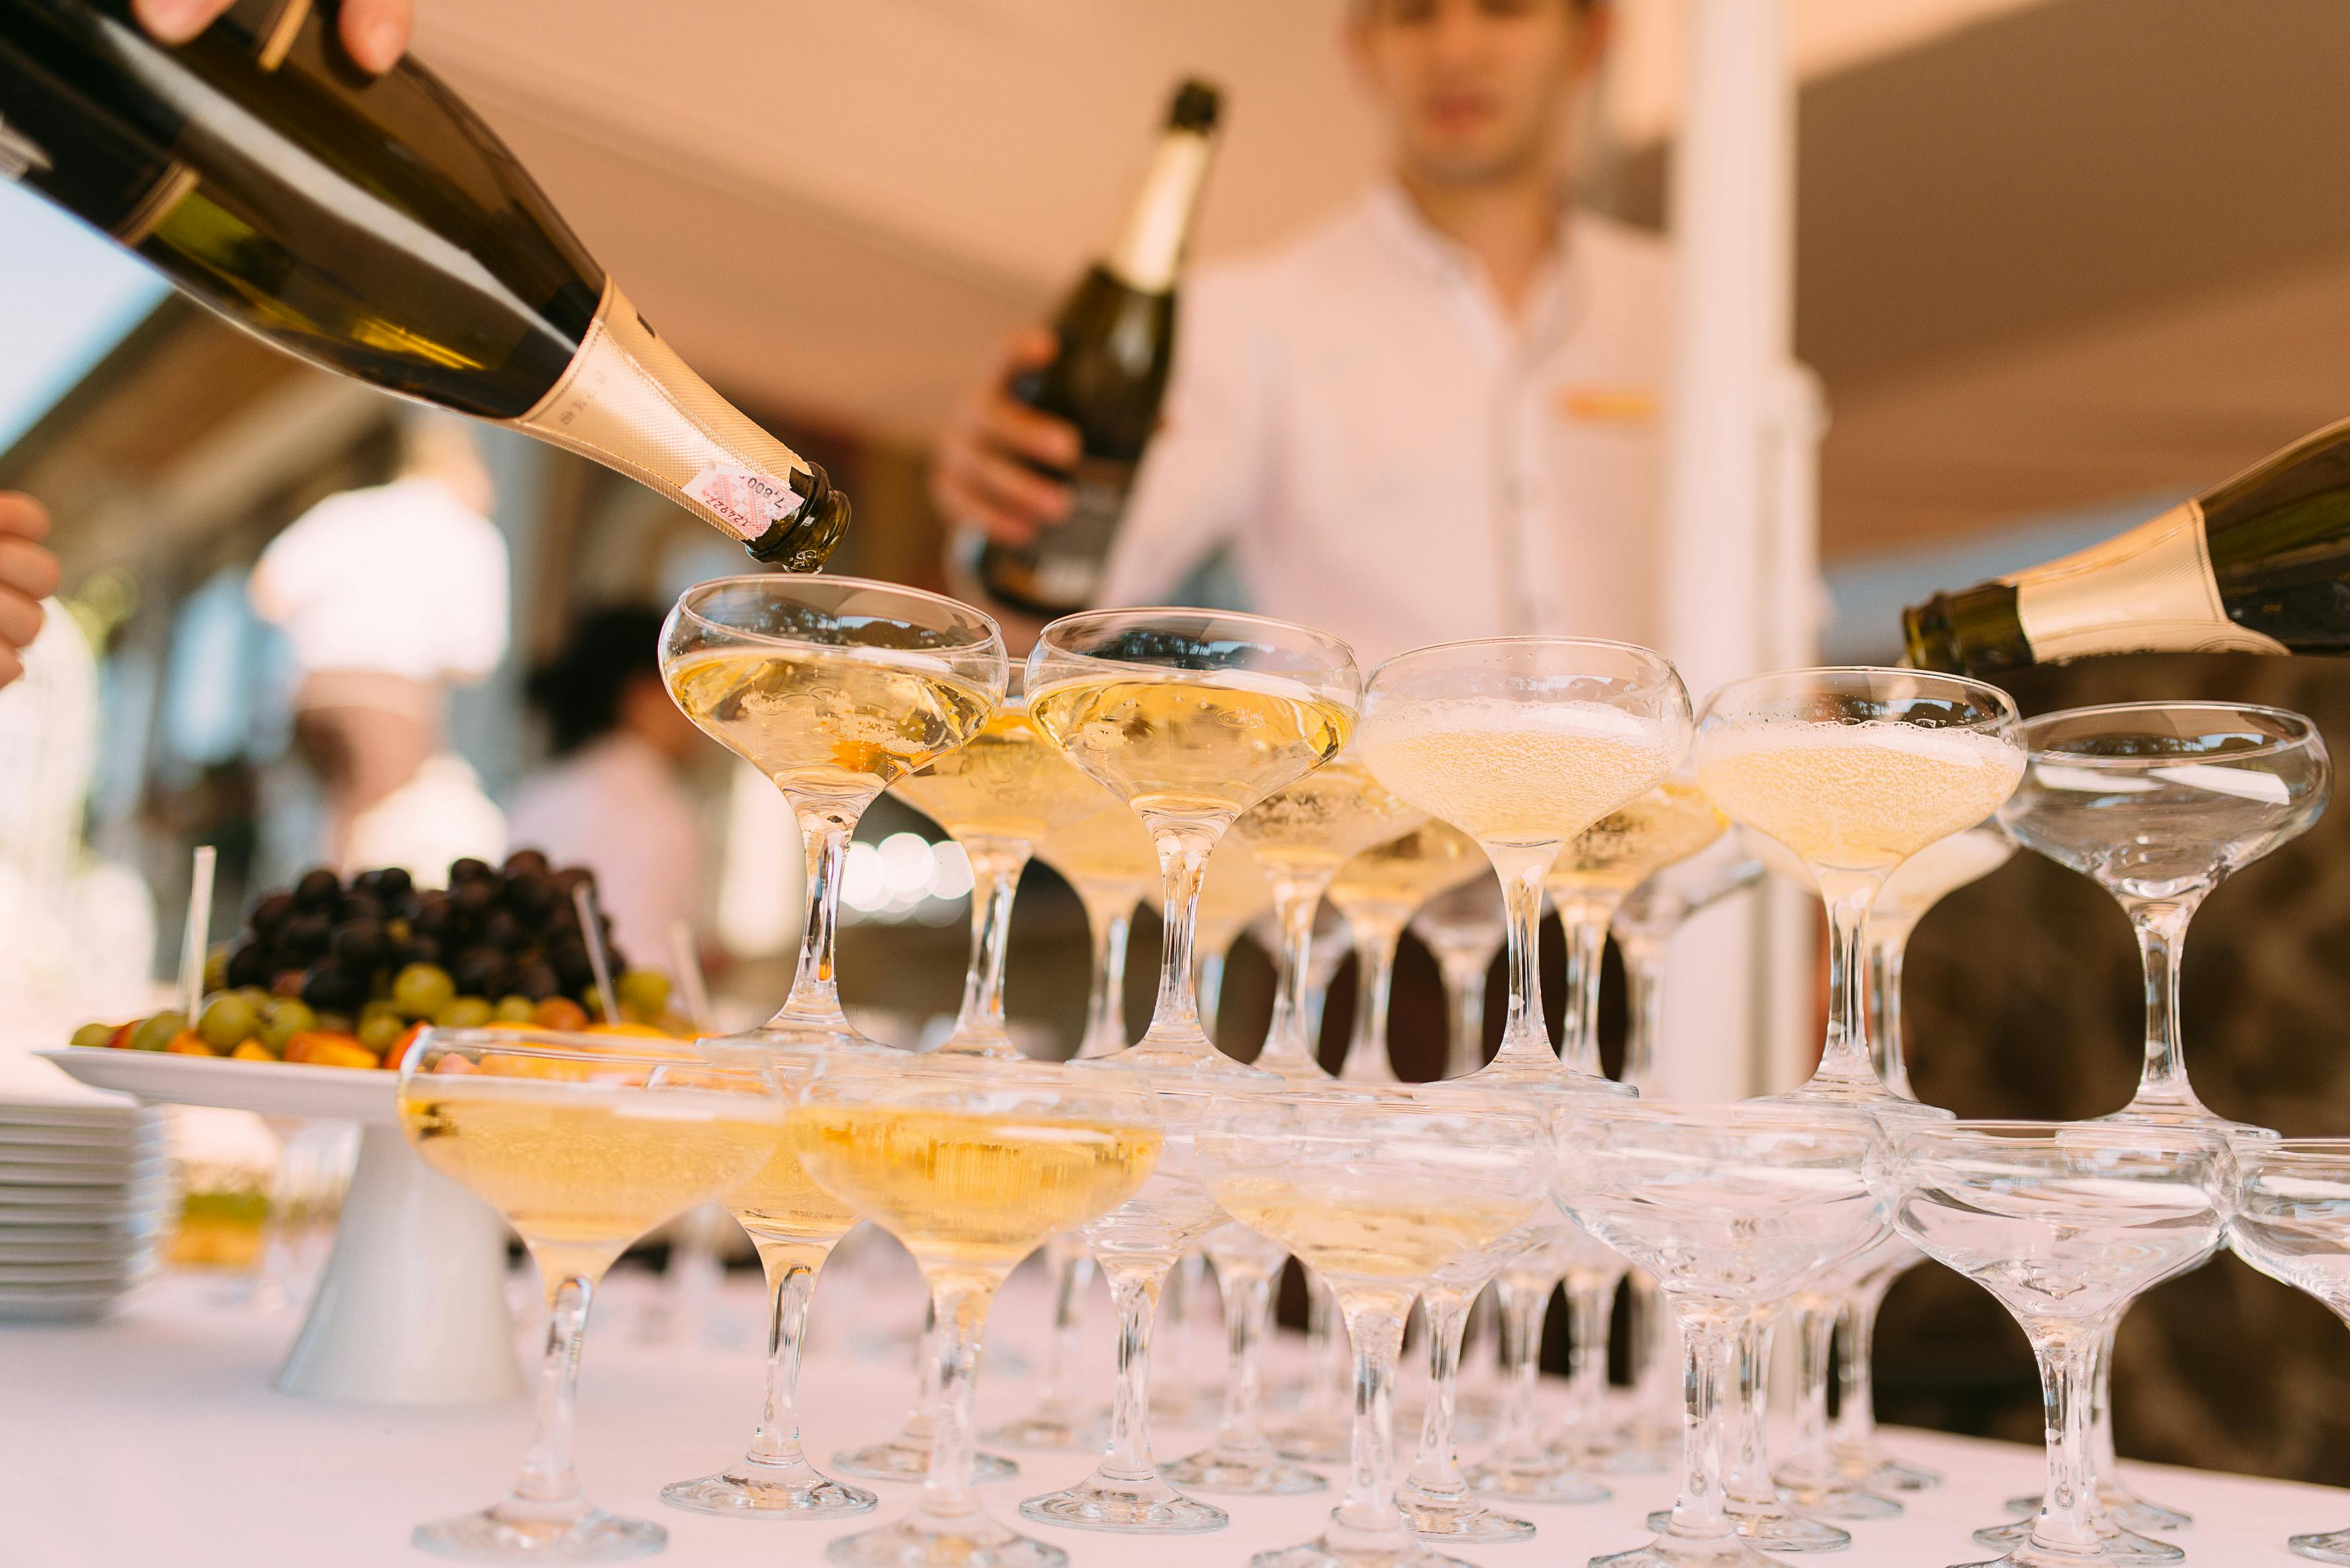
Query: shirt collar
1560,292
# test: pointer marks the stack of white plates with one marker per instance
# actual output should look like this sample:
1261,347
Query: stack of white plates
84,1193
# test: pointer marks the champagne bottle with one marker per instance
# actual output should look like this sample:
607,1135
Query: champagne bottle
2260,564
1116,334
375,227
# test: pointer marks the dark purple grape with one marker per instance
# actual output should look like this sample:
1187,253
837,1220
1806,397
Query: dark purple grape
533,977
567,957
360,945
319,890
331,988
531,896
359,906
480,971
571,877
470,870
525,862
395,887
304,936
270,913
505,932
431,915
472,898
248,964
417,949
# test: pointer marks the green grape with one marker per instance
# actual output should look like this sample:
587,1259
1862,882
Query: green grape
228,1021
381,1031
643,993
463,1013
514,1009
93,1034
422,990
154,1033
285,1021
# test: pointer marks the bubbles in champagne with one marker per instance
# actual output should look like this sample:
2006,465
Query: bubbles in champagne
1188,745
1008,782
1859,797
1618,852
1331,814
1396,877
1508,772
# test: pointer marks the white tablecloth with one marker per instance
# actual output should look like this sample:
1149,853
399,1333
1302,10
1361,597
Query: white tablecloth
152,1439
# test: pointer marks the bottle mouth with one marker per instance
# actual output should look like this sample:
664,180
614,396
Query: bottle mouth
804,542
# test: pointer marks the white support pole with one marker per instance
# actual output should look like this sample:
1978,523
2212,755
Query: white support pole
1741,526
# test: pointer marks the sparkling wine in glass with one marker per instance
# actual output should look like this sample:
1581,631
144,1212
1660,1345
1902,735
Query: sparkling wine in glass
836,689
1303,835
1378,891
1191,717
973,1163
584,1143
1522,743
1377,1190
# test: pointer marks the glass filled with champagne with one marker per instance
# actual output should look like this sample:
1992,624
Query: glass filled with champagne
1523,743
836,689
584,1143
972,1163
1191,717
1378,891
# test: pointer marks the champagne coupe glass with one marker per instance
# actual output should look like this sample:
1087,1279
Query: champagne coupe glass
2157,803
1842,1471
1378,891
999,796
2290,1219
1524,1466
836,689
793,1224
1191,717
1138,1245
1436,1496
1728,1208
1854,771
1598,870
1108,860
1234,892
2066,1223
583,1146
1646,922
972,1163
1522,742
1242,1462
1302,836
1463,929
1376,1190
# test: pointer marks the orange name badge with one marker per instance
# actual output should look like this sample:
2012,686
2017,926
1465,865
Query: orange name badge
1605,405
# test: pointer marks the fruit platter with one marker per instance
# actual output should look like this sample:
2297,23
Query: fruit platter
306,1012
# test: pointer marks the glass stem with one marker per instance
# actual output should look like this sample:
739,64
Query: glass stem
1248,1307
548,1488
790,1268
995,867
1591,1309
1815,1321
1375,950
1848,895
2068,1505
921,1421
1644,985
1324,1344
1583,920
1134,1292
1073,1271
1208,985
1375,1320
1464,1013
1184,844
1525,1039
2161,927
1107,923
1888,942
2104,1465
1524,1302
1855,1419
1289,1043
1749,1484
958,1303
1436,1469
1709,1350
1655,1349
815,994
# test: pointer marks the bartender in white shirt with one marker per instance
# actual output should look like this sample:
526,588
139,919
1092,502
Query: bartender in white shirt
1433,415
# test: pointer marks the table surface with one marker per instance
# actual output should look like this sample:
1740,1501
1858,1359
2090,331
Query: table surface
153,1437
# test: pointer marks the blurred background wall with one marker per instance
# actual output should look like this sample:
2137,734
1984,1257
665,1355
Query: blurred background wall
2059,262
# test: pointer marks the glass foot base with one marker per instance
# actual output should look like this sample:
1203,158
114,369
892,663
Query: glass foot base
493,1535
1047,1428
1445,1518
898,1459
1611,1457
1535,1483
1874,1470
2331,1547
761,1491
1315,1443
1145,1507
1830,1495
1242,1472
2119,1547
1335,1551
974,1541
1677,1551
1773,1529
2124,1507
1189,1406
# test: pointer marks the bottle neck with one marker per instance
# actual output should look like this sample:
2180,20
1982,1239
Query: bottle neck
1151,247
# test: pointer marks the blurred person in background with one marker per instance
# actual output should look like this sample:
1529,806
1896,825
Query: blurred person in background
616,799
390,595
1431,415
375,32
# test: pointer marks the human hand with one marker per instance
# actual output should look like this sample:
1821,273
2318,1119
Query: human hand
981,475
28,574
375,32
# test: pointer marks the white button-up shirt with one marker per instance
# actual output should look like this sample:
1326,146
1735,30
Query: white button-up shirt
1393,458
